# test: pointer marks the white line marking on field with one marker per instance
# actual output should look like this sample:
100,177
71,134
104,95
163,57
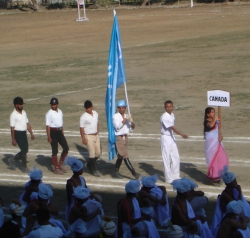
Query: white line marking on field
99,182
243,140
119,187
65,93
154,43
148,159
122,182
63,183
148,134
24,72
38,152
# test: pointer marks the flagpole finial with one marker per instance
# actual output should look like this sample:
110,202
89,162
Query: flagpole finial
114,12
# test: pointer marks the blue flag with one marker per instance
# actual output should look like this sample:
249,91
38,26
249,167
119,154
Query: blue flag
116,77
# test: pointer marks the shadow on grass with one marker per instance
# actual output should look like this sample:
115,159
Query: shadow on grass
82,151
102,166
44,161
6,157
150,170
191,170
18,163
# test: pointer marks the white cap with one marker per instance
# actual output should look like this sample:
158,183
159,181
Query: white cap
75,164
45,191
81,192
17,209
181,185
36,174
174,231
108,227
149,181
133,186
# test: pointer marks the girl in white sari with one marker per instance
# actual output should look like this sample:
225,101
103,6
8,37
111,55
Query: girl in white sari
216,156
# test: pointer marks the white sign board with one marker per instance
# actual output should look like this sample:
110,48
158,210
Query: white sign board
218,98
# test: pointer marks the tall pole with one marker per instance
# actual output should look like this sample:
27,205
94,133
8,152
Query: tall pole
126,94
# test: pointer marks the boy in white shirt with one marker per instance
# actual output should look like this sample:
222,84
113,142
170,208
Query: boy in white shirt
170,154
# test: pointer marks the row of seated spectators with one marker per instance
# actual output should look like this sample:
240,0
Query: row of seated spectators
144,208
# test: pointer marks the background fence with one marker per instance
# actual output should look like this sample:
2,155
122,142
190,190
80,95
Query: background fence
50,4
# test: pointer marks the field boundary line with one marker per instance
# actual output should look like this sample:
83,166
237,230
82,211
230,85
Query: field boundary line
149,136
59,94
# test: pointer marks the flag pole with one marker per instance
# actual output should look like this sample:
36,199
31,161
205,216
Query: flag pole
116,77
125,86
126,94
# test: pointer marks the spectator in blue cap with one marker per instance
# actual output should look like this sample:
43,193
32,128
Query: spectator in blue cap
234,223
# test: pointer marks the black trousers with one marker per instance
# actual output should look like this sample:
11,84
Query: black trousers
22,141
58,137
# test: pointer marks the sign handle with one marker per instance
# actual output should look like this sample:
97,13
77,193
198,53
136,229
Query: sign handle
219,115
219,112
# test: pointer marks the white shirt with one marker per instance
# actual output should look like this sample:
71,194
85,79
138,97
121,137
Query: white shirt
121,129
54,118
19,120
45,231
89,122
167,121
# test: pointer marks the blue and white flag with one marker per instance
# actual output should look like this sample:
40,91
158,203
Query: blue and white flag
116,77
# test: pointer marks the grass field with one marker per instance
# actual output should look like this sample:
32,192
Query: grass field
169,53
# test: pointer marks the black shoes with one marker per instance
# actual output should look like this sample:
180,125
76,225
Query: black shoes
129,166
89,167
137,175
96,173
12,163
131,169
117,167
25,170
92,168
216,183
118,175
13,166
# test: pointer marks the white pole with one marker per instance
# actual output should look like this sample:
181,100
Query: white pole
84,18
84,12
125,88
79,9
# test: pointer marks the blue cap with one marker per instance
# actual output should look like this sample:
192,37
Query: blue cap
121,103
235,207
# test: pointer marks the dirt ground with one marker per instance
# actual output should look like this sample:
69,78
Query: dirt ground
176,53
